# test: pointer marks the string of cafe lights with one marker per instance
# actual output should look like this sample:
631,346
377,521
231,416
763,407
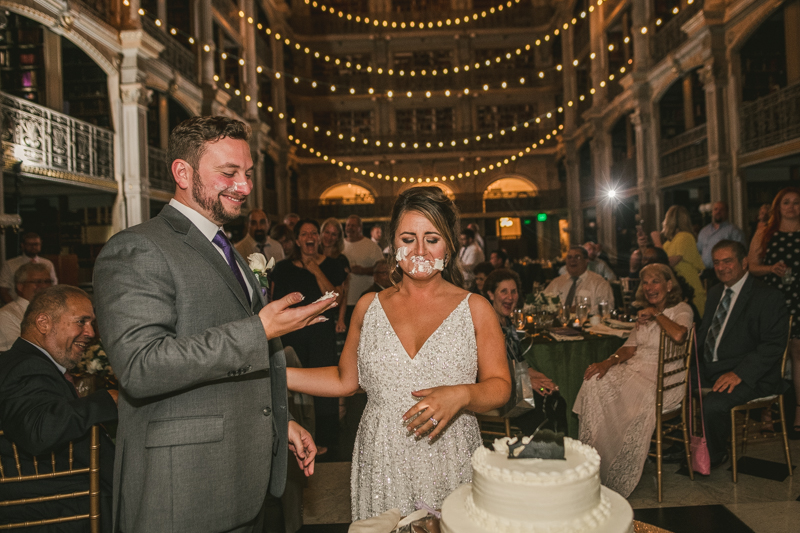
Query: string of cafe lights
414,179
453,142
403,145
383,23
389,93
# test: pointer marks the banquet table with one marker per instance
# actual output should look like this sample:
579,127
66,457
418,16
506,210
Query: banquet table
565,363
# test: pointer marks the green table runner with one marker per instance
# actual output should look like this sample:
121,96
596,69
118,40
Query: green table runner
566,362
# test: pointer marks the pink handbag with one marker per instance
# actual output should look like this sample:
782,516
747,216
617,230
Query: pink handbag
701,461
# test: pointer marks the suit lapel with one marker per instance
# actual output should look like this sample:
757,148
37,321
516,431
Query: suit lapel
208,251
738,308
30,349
195,238
257,297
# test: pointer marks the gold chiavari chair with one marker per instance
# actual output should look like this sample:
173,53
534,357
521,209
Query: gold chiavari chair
762,403
677,355
20,478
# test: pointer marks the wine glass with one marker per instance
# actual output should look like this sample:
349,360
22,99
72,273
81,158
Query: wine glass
582,312
519,319
605,309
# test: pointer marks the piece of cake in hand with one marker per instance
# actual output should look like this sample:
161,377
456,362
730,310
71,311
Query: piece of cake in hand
536,495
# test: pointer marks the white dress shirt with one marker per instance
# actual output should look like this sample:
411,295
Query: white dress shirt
591,285
11,266
209,230
469,256
10,322
736,288
272,249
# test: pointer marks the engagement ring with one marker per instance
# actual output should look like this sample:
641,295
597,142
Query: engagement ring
541,389
434,422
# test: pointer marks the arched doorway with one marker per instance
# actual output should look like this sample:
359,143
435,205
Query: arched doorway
346,194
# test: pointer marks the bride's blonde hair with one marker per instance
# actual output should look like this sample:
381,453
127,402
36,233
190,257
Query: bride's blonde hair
434,205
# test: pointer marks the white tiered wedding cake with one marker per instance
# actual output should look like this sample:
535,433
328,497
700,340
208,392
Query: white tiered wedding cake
536,495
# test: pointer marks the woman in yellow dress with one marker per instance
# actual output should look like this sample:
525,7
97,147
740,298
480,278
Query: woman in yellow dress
677,238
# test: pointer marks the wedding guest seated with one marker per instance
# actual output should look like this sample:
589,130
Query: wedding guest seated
650,255
482,271
502,288
741,343
40,410
616,402
578,281
380,275
29,279
596,265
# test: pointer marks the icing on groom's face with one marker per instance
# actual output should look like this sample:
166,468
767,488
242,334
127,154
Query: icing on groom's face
420,247
220,184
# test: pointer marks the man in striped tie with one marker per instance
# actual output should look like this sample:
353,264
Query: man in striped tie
741,342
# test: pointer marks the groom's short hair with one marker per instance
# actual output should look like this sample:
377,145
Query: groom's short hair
189,138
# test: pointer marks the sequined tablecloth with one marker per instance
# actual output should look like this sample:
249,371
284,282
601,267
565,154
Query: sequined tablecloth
641,527
566,362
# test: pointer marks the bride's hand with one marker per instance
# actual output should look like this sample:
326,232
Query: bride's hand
439,404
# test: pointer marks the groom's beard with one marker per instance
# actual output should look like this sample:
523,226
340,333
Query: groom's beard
213,203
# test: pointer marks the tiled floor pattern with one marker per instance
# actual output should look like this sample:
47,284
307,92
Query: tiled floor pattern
712,504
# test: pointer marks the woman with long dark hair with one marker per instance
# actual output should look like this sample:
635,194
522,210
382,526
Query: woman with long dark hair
312,274
428,356
775,256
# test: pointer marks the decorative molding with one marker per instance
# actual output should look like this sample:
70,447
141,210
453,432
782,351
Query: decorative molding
135,93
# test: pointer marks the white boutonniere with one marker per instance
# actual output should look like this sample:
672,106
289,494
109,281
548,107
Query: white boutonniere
258,264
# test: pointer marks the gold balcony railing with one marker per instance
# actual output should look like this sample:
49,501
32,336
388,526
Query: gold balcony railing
772,119
685,151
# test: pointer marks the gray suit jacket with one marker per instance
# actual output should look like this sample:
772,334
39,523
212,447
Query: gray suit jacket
202,411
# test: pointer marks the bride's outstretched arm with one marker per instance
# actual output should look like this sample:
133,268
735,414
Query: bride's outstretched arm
334,381
490,392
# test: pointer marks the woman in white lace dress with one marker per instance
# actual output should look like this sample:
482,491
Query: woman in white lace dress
616,403
428,355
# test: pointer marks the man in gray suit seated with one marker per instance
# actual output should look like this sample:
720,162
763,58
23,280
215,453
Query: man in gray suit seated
203,422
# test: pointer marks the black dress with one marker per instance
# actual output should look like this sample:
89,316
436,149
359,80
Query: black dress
785,246
315,345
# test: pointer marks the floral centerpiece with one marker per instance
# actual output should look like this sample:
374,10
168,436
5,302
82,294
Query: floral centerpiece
258,264
93,372
542,301
94,362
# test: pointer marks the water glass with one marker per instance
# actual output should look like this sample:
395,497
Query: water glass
519,319
604,308
787,277
583,312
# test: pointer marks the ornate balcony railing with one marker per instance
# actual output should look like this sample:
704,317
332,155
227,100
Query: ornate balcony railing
157,170
175,54
520,16
670,36
772,119
686,151
55,144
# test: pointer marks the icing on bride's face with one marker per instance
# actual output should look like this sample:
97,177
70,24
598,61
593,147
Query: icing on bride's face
420,246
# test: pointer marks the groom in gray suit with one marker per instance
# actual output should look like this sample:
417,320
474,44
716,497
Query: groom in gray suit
203,422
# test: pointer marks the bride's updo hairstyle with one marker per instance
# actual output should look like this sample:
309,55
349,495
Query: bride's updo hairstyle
431,203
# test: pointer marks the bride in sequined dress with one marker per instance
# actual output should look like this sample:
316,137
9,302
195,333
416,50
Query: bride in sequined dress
428,356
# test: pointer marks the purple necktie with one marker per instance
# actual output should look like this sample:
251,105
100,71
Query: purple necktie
222,241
